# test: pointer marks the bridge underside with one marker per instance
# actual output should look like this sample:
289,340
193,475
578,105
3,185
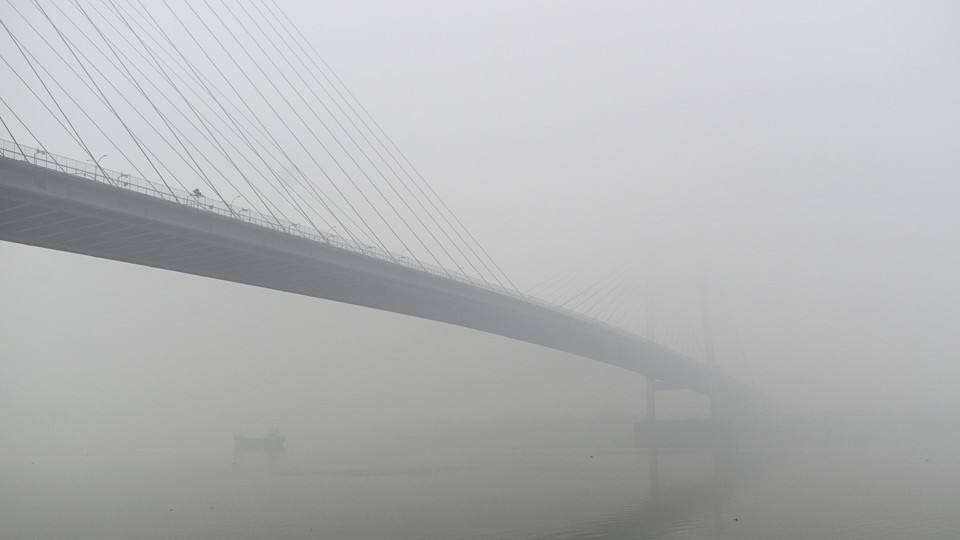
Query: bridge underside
44,208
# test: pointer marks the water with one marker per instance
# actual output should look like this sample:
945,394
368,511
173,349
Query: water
876,492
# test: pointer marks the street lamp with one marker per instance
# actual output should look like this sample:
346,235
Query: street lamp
38,152
97,163
230,205
327,237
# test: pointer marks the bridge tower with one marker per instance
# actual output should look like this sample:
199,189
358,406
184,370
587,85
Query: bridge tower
655,433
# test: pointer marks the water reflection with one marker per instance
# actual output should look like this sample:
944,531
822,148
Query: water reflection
685,490
816,492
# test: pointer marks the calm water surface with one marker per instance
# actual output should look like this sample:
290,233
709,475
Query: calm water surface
859,492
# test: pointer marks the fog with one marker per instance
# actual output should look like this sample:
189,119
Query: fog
801,155
804,149
208,359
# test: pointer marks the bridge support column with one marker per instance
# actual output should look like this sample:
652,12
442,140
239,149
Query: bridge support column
714,395
651,399
644,432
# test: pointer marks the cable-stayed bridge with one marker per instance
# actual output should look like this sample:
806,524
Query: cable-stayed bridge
254,163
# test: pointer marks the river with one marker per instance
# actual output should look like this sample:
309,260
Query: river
855,491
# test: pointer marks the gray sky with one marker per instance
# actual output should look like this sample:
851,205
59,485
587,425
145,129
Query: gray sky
807,147
805,152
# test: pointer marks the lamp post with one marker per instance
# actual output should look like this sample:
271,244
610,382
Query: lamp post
38,152
330,234
230,205
96,162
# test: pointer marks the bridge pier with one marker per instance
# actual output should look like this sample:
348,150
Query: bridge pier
651,399
713,397
714,430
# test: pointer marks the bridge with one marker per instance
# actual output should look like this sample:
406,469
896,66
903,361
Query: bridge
57,203
79,206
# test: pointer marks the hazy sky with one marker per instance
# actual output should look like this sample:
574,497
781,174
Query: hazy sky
805,152
808,147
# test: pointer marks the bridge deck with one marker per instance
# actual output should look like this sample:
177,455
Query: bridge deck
55,210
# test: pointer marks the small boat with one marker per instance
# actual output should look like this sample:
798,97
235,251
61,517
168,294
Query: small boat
273,442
